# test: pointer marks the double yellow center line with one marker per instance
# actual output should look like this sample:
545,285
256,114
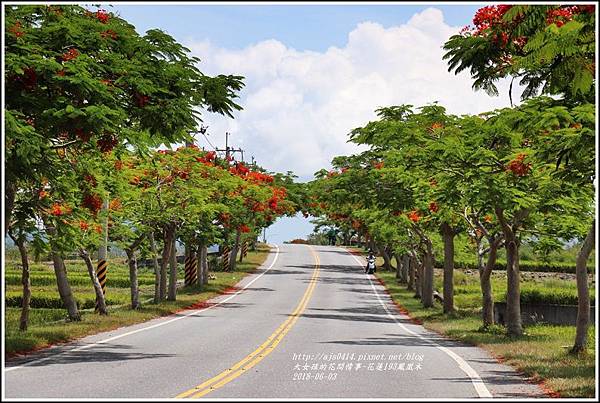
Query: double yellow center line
263,350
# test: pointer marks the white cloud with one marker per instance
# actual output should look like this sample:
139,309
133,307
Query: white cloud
299,106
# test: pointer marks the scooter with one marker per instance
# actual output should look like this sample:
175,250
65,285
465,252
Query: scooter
370,269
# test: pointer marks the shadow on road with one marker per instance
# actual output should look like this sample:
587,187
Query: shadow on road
101,353
496,378
258,289
279,271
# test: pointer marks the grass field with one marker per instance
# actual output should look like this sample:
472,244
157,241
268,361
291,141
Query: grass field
541,353
49,326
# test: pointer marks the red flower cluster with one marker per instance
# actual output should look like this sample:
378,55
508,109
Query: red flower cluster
29,79
141,100
489,16
244,228
435,125
259,177
107,33
279,193
16,30
414,216
90,179
379,165
42,194
61,73
84,226
487,218
208,158
331,174
240,170
115,204
102,16
70,55
564,14
107,142
224,218
182,174
93,202
118,165
56,209
518,167
338,217
433,207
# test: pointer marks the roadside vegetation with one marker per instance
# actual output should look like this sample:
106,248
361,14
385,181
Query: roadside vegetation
540,353
48,321
506,194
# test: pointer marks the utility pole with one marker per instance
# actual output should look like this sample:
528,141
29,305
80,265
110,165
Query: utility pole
229,150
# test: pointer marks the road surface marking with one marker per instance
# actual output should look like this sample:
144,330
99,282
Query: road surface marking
87,346
263,350
476,380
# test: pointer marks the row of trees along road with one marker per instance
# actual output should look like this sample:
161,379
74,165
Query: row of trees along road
513,174
88,102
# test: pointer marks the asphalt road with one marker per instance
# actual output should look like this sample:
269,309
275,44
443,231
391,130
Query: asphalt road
308,324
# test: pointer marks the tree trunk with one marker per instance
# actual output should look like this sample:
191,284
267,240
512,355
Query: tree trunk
419,278
412,267
427,283
26,300
204,255
133,278
9,202
485,274
157,270
513,280
399,269
199,267
387,265
164,262
62,282
234,251
100,300
448,235
405,268
133,271
173,270
583,294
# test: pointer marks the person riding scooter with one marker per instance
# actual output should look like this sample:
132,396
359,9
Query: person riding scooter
370,269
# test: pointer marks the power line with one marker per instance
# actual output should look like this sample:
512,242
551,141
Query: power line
208,141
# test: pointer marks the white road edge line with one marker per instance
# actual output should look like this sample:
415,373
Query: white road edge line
476,380
85,347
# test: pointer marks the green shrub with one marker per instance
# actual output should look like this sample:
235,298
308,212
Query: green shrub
50,302
548,295
524,265
39,279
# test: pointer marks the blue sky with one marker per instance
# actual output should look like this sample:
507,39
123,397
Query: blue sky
284,40
302,27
